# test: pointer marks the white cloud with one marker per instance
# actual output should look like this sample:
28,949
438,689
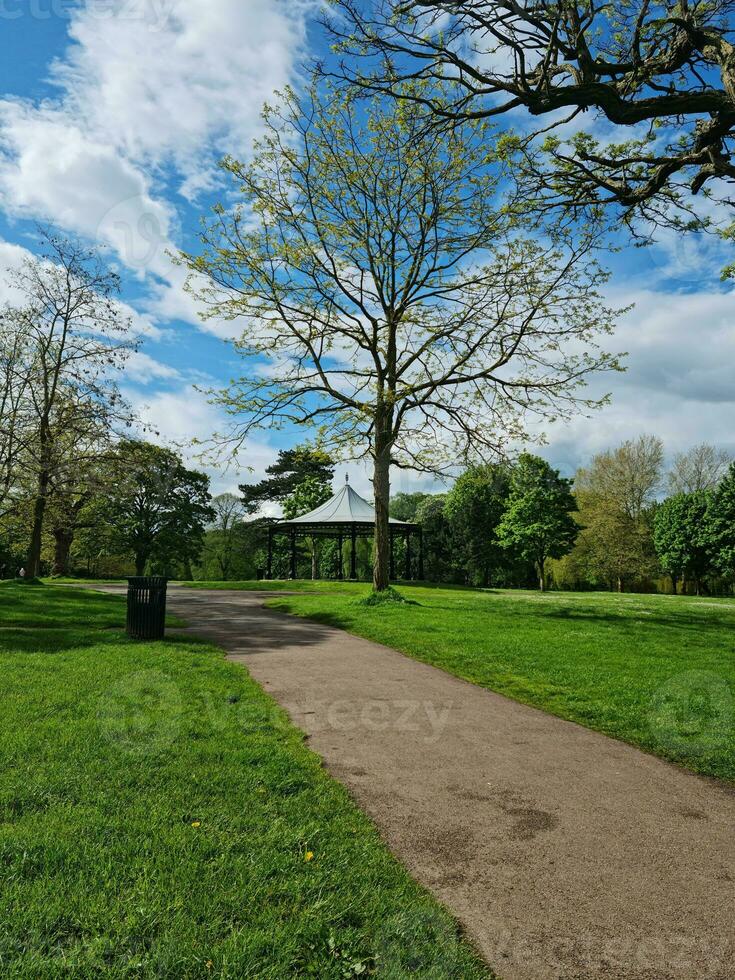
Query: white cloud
141,368
678,384
50,169
147,91
178,417
180,83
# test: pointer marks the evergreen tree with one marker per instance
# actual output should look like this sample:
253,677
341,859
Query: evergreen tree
292,468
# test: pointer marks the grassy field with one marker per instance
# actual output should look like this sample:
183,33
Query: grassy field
656,671
160,818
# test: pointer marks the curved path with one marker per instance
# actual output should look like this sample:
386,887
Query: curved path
564,853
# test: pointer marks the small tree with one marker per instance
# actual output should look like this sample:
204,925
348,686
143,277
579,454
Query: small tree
681,538
157,508
538,518
388,297
222,537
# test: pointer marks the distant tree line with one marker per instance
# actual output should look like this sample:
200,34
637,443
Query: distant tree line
624,523
80,495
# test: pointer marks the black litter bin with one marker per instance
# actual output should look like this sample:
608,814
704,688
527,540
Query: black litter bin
147,608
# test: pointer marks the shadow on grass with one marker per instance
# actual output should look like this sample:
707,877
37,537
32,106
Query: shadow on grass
635,619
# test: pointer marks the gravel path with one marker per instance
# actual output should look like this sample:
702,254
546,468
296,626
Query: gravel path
564,853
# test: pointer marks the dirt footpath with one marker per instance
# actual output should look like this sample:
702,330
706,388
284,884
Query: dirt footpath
564,854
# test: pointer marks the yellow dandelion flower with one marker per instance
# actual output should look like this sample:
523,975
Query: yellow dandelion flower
197,823
309,856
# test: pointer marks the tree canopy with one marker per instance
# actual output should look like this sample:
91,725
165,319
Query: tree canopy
537,520
63,341
680,534
157,509
291,468
389,296
661,70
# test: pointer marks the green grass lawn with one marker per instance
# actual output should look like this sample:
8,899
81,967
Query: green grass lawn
159,817
657,671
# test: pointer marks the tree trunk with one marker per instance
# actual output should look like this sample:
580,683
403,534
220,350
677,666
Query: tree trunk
674,584
314,559
620,583
381,488
33,565
140,561
63,540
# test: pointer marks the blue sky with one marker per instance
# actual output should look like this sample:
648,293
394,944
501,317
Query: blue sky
113,114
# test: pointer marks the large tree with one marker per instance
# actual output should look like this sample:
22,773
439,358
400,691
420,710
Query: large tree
72,338
537,521
224,532
629,475
15,412
663,71
156,508
386,295
616,494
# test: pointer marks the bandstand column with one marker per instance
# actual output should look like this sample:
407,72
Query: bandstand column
353,554
293,554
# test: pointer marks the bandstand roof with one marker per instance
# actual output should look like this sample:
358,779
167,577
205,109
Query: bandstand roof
342,510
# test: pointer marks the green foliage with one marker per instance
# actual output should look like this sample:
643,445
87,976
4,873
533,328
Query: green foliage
537,519
681,535
437,537
405,506
308,494
474,508
292,468
617,496
156,509
389,596
230,555
722,524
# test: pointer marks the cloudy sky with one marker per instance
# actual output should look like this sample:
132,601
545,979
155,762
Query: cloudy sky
113,114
